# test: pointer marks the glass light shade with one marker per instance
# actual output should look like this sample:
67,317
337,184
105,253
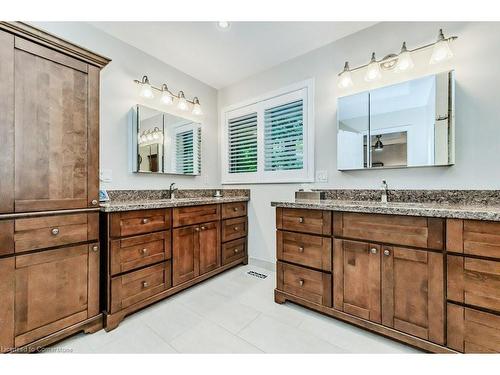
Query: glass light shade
345,80
182,104
197,109
405,62
441,52
373,71
166,98
146,91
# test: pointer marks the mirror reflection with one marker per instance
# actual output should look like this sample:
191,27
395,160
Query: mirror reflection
409,124
165,143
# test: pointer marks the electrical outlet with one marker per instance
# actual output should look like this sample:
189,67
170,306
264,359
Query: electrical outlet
105,175
321,176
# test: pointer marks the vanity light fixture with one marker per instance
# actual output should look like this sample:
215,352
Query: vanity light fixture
399,63
223,25
379,146
168,98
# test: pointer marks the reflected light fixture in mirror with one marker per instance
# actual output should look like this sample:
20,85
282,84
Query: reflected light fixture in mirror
373,70
441,50
146,89
379,146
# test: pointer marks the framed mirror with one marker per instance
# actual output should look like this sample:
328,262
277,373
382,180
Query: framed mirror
164,143
410,124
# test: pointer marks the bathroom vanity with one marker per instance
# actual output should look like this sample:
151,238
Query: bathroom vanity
155,247
421,273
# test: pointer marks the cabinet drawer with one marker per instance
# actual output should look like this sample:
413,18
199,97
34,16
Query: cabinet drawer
195,214
314,286
234,228
138,222
234,250
236,209
473,331
304,249
138,285
473,237
49,231
391,229
474,281
134,252
301,220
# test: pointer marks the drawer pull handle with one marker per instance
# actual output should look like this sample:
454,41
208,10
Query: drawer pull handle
387,252
55,231
301,282
373,250
236,250
235,209
145,284
301,219
95,248
94,202
145,221
236,228
301,249
144,251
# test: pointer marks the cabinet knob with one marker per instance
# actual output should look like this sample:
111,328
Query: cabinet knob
235,208
235,228
203,228
95,248
301,282
301,219
145,284
144,251
301,249
387,252
236,250
197,229
145,221
373,250
55,231
94,202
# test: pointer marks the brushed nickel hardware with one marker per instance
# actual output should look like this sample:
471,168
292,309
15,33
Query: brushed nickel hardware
387,252
235,208
172,190
145,221
384,191
373,250
236,250
95,248
301,249
55,231
235,228
203,228
197,229
301,282
94,202
144,251
301,219
145,284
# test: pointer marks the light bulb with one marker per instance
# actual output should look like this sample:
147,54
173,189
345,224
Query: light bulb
182,103
405,62
223,25
373,70
196,107
146,89
166,97
441,50
345,79
150,137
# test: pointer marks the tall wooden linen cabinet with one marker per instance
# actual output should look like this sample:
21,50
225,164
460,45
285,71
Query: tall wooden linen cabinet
49,187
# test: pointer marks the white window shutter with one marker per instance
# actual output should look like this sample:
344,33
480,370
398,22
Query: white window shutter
242,144
184,152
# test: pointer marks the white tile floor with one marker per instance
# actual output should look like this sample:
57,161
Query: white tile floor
231,313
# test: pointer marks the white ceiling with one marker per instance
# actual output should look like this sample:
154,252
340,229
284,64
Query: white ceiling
220,58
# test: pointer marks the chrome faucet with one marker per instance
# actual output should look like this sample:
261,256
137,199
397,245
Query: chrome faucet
384,191
172,190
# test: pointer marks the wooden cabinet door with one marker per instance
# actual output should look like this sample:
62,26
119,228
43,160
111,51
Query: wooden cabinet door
357,279
210,249
185,254
413,292
55,289
7,295
55,130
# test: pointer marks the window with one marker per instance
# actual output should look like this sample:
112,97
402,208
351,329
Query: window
270,140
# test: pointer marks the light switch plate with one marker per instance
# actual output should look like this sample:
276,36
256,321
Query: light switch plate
321,176
106,175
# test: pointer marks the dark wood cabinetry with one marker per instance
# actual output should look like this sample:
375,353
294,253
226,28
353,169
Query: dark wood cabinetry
49,127
152,254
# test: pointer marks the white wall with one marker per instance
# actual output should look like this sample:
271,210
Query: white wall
119,93
477,52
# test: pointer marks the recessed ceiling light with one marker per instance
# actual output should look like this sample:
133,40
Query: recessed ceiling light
223,25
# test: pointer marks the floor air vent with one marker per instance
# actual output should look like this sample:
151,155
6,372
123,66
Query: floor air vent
256,274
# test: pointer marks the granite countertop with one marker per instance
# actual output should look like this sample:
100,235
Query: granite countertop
445,210
143,204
